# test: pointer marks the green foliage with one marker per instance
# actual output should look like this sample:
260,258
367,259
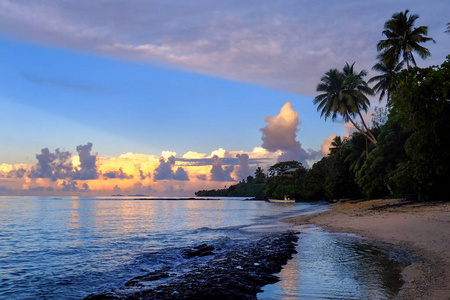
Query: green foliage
422,106
402,38
241,189
281,167
344,94
374,177
260,176
281,185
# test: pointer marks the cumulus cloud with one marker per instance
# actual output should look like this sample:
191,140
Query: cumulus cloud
281,133
193,155
70,186
165,172
58,165
117,174
54,166
326,144
12,171
143,175
88,166
202,177
243,169
181,174
140,188
219,172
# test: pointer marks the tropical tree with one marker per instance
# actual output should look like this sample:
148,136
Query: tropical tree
344,94
281,167
336,145
358,150
387,81
260,177
358,88
402,39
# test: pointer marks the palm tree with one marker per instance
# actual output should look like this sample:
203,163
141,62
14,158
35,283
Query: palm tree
355,84
358,152
342,96
260,177
387,81
336,145
403,39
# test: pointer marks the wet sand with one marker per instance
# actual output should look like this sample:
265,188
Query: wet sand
423,228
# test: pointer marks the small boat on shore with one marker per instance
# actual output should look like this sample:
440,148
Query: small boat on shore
285,200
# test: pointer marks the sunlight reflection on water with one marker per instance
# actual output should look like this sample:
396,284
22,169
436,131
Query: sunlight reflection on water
336,266
51,247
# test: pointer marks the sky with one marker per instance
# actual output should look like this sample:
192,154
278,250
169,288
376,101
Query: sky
169,97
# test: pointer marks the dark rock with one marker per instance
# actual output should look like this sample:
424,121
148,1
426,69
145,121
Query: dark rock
235,274
201,250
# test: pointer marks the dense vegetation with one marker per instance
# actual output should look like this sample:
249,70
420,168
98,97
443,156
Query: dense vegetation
405,152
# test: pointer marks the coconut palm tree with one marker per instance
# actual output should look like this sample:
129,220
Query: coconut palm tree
387,81
402,39
343,95
358,88
358,151
336,145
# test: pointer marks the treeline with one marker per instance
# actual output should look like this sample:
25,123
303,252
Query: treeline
405,152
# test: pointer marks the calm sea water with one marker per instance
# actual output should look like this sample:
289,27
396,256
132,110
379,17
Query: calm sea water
67,248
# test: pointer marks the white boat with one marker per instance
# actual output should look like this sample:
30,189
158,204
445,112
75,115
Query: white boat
285,200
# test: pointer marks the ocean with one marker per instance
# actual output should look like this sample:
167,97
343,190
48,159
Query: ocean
70,247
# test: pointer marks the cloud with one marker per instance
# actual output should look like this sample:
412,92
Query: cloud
281,133
243,169
201,177
193,155
70,186
12,171
52,165
117,174
66,84
88,166
181,174
143,176
220,173
326,144
286,47
219,152
164,170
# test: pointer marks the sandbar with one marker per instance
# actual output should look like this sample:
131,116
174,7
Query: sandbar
423,228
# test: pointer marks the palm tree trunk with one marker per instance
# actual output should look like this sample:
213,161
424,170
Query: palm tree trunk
371,138
367,128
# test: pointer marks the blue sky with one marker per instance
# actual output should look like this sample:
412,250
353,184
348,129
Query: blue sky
58,98
152,76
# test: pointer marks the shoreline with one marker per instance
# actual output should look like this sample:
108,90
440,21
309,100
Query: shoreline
419,227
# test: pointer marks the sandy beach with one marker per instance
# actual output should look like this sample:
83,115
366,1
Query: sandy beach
420,227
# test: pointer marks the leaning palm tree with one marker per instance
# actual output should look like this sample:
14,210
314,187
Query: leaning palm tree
387,81
341,98
402,39
358,88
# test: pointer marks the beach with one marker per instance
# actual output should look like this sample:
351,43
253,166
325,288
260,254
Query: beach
422,228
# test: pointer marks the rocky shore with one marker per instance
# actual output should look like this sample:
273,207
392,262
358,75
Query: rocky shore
236,274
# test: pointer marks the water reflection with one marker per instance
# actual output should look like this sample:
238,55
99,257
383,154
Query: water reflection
204,213
336,266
